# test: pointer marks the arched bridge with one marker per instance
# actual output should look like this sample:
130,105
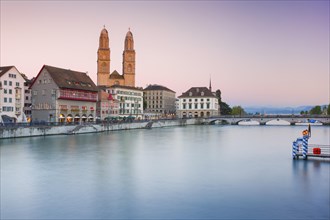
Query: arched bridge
263,119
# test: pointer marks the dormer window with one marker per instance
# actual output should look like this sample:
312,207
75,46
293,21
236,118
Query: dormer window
190,93
202,93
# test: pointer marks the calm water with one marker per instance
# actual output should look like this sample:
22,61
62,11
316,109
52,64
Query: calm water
219,172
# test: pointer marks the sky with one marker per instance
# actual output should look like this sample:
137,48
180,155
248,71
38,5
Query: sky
258,53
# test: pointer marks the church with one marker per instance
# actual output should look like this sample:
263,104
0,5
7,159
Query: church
104,78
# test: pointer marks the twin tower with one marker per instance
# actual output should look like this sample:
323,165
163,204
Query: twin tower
104,78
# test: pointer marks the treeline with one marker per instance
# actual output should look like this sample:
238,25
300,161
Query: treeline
225,109
317,110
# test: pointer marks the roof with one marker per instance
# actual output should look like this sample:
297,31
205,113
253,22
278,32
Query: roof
158,87
4,69
197,92
104,31
127,87
116,75
69,79
129,34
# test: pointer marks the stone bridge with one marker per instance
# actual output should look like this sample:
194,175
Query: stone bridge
263,119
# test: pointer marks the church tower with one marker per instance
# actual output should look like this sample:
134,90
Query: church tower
129,60
103,59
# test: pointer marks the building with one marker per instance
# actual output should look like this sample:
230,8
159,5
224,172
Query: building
27,98
62,95
198,102
104,78
11,94
130,100
159,100
107,107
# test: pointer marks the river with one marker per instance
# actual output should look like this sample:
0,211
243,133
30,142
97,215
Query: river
191,172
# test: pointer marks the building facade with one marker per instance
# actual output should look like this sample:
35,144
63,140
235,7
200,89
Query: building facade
159,101
198,102
61,95
130,100
107,107
104,78
11,95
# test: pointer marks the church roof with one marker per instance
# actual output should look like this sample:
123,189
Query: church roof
197,92
129,34
69,79
116,75
104,31
158,87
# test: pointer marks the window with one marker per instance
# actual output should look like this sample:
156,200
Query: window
208,105
5,91
190,105
5,82
202,93
184,100
35,92
195,100
196,106
10,83
202,105
4,99
10,91
10,100
17,84
184,106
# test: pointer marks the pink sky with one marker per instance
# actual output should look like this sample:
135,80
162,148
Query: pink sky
257,53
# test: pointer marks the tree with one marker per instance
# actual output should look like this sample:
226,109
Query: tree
224,107
316,110
238,110
328,110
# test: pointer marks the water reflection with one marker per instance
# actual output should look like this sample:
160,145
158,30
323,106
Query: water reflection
234,172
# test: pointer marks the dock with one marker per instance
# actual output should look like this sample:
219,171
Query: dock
313,150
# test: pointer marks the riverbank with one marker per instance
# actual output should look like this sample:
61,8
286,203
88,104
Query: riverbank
45,130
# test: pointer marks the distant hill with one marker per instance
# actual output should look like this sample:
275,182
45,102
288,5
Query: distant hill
277,110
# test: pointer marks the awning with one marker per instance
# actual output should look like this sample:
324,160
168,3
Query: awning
83,116
61,116
69,117
76,116
90,116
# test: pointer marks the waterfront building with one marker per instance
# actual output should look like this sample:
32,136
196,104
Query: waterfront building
159,100
11,94
107,107
27,98
198,102
62,95
130,100
104,78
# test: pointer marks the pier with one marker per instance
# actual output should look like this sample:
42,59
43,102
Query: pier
314,150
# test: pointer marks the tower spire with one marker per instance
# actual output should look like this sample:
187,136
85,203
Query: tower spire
210,86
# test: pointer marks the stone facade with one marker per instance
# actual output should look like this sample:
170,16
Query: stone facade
61,95
159,101
104,78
